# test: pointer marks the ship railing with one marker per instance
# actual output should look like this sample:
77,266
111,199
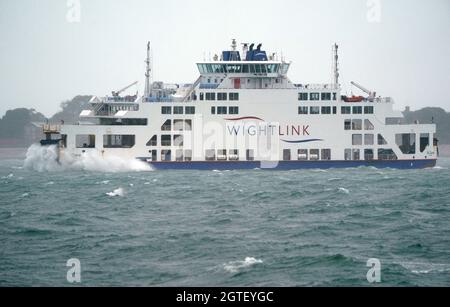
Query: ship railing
328,86
189,94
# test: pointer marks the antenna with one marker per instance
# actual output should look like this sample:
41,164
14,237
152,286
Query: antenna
335,65
233,44
147,72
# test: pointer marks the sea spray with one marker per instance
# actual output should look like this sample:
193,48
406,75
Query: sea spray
44,159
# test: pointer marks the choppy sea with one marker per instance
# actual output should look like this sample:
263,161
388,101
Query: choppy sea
131,226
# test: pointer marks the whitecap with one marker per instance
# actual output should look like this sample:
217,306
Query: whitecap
235,266
344,190
334,179
425,268
116,192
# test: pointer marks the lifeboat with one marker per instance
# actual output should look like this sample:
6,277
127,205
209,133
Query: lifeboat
353,98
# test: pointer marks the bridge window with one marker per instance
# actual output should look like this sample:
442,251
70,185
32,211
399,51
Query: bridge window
357,139
303,96
357,110
153,141
233,110
369,139
314,110
314,96
166,140
177,110
85,141
302,110
368,110
166,110
302,154
234,96
221,96
167,126
190,110
346,110
118,141
221,110
326,96
326,110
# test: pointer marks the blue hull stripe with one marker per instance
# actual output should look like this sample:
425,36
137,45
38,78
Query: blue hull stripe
292,165
302,141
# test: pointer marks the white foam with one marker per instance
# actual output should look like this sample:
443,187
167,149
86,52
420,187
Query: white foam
44,159
344,190
425,268
235,266
117,192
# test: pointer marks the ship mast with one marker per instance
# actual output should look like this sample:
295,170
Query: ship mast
335,66
147,73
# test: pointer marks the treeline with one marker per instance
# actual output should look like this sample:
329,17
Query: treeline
428,115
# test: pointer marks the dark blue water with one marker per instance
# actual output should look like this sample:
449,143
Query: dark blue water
231,228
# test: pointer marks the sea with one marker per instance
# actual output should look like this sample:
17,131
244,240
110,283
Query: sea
128,225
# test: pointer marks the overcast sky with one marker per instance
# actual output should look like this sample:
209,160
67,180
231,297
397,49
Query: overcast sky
47,55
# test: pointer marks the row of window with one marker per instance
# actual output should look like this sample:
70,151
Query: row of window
225,110
211,96
178,110
333,110
369,139
383,154
356,124
316,96
238,68
357,110
178,125
109,141
305,154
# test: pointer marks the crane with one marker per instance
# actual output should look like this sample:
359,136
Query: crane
117,93
370,93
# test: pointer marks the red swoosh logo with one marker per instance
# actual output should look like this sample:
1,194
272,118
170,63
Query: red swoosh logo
244,118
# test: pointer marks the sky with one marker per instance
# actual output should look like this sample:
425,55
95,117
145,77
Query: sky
51,51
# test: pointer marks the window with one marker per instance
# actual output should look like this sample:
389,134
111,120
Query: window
221,96
424,141
356,155
302,110
179,155
303,96
346,110
166,140
368,110
326,110
177,110
334,96
314,96
286,154
347,124
167,126
368,125
190,110
326,154
178,140
221,110
210,96
347,154
334,110
406,142
314,154
166,155
357,110
153,141
250,155
369,139
233,110
325,96
381,140
188,125
233,155
386,154
314,110
357,139
210,155
178,125
154,155
202,96
368,154
188,155
213,110
118,141
221,154
85,141
302,154
357,124
234,96
166,110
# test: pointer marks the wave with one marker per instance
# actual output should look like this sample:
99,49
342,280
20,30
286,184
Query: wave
344,190
45,159
425,268
235,266
117,192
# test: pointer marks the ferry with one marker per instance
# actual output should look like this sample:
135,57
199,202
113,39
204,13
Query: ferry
243,112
